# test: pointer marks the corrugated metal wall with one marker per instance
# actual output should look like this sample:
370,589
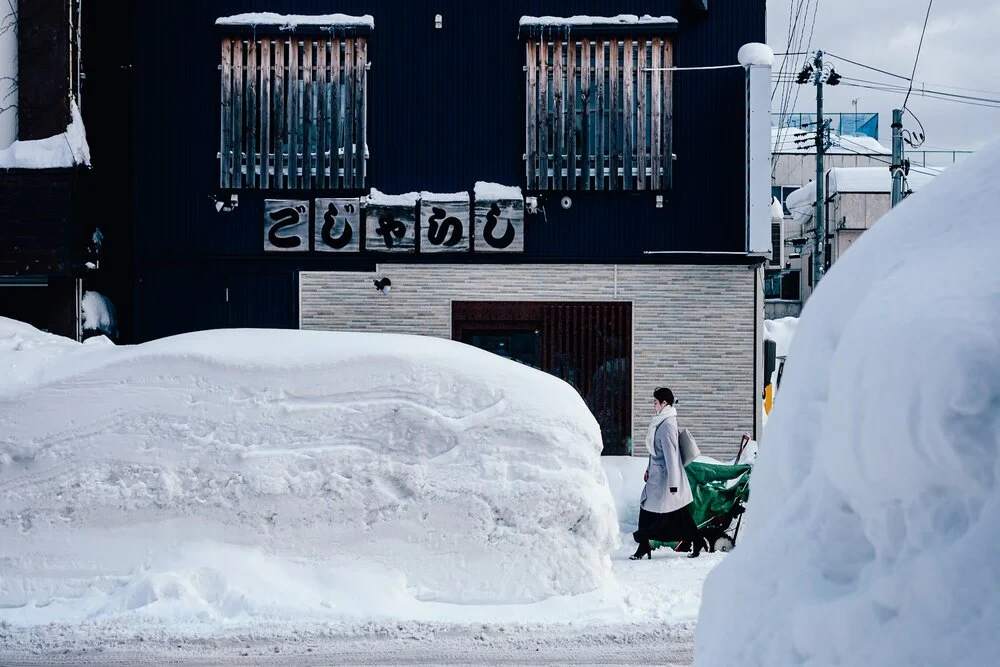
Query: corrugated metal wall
446,109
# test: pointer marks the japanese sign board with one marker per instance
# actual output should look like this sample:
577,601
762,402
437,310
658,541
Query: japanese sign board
286,225
500,225
444,225
338,225
393,225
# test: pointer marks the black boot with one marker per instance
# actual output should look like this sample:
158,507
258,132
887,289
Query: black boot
697,544
645,550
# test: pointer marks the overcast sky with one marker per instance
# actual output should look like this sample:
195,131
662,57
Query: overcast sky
961,50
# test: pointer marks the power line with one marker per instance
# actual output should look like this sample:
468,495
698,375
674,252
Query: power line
874,69
933,95
930,3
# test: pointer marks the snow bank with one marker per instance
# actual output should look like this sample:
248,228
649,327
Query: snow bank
68,149
781,331
99,314
250,474
24,354
292,21
877,490
755,53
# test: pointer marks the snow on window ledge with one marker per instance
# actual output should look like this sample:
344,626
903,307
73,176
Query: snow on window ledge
68,149
292,21
621,19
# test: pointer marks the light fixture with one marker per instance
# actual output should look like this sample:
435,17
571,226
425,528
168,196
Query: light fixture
659,201
566,203
437,21
531,204
383,285
223,206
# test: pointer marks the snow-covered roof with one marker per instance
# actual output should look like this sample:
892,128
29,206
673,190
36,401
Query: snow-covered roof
495,191
377,198
621,19
68,149
845,180
797,140
291,21
756,53
445,196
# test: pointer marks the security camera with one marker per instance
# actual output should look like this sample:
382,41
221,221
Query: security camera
383,285
566,203
531,204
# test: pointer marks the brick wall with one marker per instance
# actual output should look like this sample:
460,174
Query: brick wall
693,326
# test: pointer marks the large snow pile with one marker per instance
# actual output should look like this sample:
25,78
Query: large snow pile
781,331
68,149
875,498
99,314
246,474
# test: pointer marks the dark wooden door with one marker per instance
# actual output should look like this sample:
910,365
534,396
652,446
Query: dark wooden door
588,345
261,301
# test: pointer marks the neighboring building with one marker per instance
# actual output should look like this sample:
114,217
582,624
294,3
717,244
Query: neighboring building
534,187
855,199
57,212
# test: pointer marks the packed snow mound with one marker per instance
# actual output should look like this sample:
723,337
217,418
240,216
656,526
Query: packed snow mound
781,331
247,473
872,525
99,314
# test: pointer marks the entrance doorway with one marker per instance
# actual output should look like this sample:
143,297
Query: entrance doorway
588,345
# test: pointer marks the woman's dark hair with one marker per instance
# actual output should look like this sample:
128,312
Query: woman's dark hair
664,395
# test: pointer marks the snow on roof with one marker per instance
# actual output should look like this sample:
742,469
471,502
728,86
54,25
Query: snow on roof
291,21
377,198
68,149
871,534
621,19
799,140
755,53
845,180
494,191
445,196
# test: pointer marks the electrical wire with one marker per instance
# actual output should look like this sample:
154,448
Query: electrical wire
930,3
874,69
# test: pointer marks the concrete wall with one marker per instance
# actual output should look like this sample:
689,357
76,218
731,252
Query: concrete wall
800,168
693,326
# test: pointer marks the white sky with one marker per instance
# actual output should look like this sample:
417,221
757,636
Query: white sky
961,49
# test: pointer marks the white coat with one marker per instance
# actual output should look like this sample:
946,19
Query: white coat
665,469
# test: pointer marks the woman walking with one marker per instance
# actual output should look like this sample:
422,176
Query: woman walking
664,515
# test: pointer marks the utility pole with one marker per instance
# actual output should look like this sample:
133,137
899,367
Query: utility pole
817,73
897,156
820,244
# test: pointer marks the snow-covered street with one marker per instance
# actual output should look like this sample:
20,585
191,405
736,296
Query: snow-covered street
653,625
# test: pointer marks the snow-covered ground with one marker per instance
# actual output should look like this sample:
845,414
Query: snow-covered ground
299,495
872,528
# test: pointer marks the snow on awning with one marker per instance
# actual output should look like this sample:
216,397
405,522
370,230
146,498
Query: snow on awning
485,191
258,22
623,24
68,149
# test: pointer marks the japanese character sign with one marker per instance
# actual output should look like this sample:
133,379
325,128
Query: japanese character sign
444,225
500,225
286,225
391,228
338,225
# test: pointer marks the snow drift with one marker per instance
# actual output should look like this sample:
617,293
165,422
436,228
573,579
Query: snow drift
876,494
236,474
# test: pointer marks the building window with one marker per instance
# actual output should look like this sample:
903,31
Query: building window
294,109
782,285
782,192
598,112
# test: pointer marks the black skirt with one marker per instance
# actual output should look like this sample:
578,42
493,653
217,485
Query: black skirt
676,526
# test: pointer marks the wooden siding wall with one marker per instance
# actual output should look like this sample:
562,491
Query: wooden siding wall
293,113
598,114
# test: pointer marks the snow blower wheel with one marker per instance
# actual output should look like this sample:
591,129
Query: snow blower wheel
723,544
